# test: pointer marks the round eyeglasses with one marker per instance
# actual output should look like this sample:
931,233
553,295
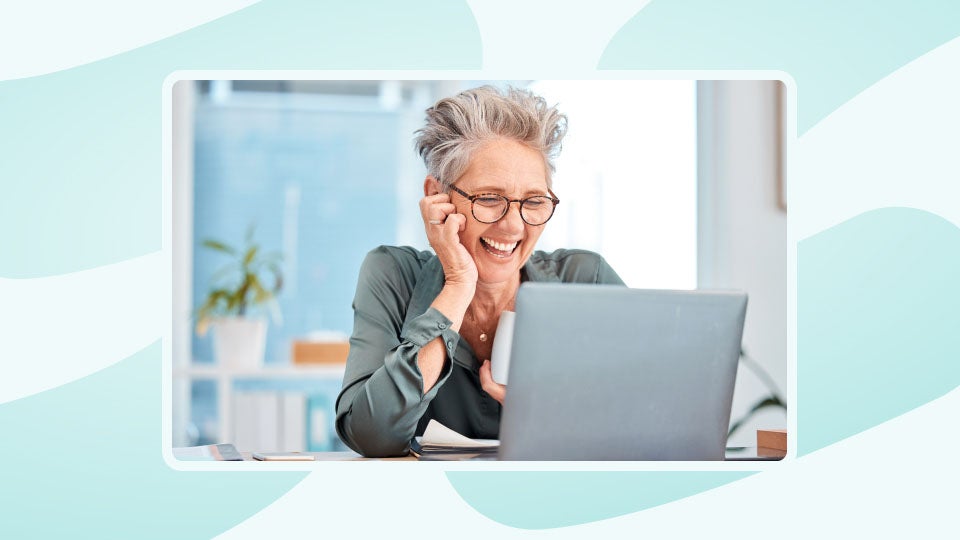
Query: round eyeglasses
491,207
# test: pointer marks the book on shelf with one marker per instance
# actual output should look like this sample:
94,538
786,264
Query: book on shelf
270,421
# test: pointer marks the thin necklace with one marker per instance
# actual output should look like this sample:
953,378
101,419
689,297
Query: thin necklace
483,333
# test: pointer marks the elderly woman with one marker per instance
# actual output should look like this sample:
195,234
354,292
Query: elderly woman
424,323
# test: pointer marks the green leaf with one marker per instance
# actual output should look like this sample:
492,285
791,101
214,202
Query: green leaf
277,278
223,272
754,366
240,284
260,295
769,401
251,254
233,302
210,307
268,261
219,246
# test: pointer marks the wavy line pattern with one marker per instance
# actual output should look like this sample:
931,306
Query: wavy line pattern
877,325
833,50
549,499
86,457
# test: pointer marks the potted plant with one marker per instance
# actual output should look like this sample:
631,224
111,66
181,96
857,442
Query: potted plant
772,399
241,291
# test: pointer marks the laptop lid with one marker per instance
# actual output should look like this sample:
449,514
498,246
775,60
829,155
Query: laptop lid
602,372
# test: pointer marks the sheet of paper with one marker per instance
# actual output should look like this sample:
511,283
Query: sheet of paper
439,434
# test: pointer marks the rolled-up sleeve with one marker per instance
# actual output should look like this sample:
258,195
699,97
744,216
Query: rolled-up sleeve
382,399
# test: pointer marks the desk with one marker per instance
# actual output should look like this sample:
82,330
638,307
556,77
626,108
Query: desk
753,453
749,453
348,455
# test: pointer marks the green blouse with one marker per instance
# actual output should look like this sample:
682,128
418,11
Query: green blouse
381,406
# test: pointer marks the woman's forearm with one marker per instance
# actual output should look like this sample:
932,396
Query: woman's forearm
452,301
377,414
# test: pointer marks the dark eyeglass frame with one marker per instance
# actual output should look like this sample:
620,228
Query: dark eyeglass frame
472,198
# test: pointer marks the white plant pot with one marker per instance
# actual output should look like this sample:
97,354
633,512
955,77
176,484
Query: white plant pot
239,343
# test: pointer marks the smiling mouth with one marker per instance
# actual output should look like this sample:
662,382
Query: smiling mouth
499,249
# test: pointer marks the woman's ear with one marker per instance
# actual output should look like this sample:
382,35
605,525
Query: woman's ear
432,186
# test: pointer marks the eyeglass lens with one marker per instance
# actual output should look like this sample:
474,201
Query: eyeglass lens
534,210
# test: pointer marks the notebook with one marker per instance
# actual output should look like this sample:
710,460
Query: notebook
602,372
440,442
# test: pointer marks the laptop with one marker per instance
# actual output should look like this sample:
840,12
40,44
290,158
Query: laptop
603,372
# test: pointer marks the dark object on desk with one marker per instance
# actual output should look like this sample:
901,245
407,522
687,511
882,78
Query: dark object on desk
210,452
611,373
430,452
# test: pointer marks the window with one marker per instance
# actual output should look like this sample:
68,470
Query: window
627,177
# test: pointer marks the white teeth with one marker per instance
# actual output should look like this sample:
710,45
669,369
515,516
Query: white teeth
500,246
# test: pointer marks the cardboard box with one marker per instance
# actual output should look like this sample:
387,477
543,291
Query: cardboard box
772,438
320,352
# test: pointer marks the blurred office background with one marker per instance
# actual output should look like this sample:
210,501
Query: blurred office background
679,184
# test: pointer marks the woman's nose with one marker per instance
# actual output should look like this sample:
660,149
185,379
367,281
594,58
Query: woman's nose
511,222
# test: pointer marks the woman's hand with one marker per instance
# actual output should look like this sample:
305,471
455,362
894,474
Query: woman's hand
444,225
496,390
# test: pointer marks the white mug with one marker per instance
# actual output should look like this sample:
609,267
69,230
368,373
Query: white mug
502,343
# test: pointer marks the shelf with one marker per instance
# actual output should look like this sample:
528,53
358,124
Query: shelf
227,377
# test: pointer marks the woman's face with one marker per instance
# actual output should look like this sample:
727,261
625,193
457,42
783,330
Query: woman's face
508,168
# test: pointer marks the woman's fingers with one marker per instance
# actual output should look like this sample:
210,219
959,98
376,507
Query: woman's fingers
436,208
443,224
437,214
445,229
432,200
496,390
455,224
442,221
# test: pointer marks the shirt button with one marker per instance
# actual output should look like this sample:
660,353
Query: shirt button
441,325
450,343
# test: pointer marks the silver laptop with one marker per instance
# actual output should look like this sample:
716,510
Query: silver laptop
602,372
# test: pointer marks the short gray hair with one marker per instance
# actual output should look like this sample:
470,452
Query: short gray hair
456,126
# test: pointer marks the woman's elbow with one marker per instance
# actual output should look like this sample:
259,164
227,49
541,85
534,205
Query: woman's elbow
370,442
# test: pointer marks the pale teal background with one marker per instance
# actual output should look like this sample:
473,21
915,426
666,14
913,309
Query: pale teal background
83,461
81,188
540,500
877,322
833,50
80,192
